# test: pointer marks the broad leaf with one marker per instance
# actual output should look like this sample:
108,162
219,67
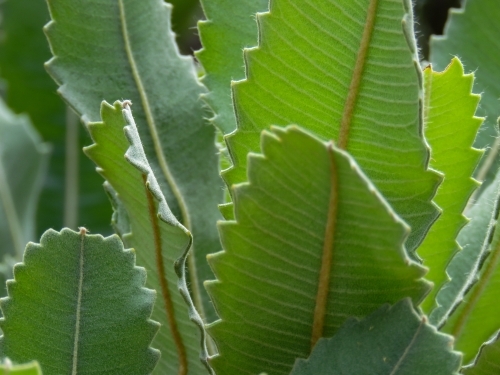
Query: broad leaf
450,130
230,27
345,70
473,33
155,234
393,341
20,182
313,243
72,193
77,304
32,368
475,276
488,359
125,49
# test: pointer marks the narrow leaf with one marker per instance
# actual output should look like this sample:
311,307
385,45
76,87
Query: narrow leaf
473,33
488,359
32,368
450,130
345,70
30,90
20,182
230,27
78,304
393,340
157,237
313,243
125,48
475,276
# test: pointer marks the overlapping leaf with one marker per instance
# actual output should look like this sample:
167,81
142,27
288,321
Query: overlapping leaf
393,340
313,243
156,235
230,27
78,305
125,49
20,182
473,33
450,130
72,193
468,305
346,71
488,360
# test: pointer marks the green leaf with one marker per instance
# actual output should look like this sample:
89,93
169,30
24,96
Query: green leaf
473,34
393,340
468,305
20,182
78,305
155,234
72,193
32,368
488,359
313,243
133,55
230,27
450,130
346,71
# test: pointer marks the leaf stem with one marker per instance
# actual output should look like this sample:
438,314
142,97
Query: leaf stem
71,170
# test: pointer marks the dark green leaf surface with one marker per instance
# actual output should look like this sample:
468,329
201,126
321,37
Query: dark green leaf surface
23,165
468,305
473,34
313,244
30,90
125,49
230,27
488,360
155,234
391,341
78,305
450,130
32,368
345,70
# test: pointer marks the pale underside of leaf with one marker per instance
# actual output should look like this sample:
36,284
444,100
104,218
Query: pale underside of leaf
158,238
305,202
126,49
393,341
450,130
106,328
346,71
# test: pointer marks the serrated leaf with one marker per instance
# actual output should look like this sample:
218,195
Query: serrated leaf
393,340
77,304
125,49
20,182
473,33
450,130
313,243
345,70
23,50
488,359
468,305
32,368
156,235
230,27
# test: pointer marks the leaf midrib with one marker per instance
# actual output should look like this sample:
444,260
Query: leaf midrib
354,87
76,341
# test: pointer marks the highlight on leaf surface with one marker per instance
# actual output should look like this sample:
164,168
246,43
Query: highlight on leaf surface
393,340
148,225
348,71
313,243
77,304
32,368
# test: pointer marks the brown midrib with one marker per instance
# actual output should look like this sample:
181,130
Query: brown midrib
165,291
327,257
352,95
